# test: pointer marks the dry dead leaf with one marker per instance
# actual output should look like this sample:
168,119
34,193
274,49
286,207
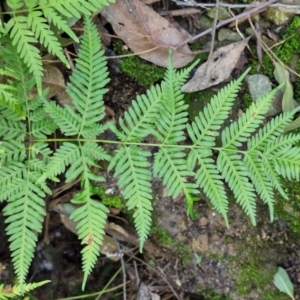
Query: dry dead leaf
52,79
147,33
219,68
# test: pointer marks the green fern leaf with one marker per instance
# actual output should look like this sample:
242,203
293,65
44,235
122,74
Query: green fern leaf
206,126
131,165
55,19
209,180
65,117
18,290
241,130
43,128
269,132
272,175
233,171
170,165
75,8
287,162
38,25
262,184
13,150
11,184
91,218
21,36
65,155
10,130
87,83
15,4
139,120
24,216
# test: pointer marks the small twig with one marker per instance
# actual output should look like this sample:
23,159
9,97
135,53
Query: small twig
228,5
213,35
180,12
159,273
72,66
121,251
246,14
258,44
213,32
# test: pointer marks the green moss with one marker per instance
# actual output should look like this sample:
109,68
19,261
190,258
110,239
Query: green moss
108,200
247,100
257,269
162,236
258,276
210,294
146,73
197,101
289,210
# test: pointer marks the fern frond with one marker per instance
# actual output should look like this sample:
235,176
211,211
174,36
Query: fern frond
55,19
8,99
86,87
240,131
66,154
75,8
90,149
10,130
40,28
205,128
65,117
132,167
272,175
13,150
261,182
43,128
11,183
40,150
209,180
8,292
21,36
91,218
173,116
270,131
138,121
287,162
24,215
170,165
235,174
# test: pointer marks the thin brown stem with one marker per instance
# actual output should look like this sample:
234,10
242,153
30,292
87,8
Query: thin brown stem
245,14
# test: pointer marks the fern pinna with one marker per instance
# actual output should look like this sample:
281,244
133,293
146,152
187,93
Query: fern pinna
249,156
27,30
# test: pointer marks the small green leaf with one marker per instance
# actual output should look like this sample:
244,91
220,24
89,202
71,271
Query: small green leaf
283,282
282,76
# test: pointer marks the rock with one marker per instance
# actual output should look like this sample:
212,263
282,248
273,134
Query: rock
223,13
205,22
229,35
200,243
259,85
277,16
203,221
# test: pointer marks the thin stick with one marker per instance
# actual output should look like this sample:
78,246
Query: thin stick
159,273
213,32
228,5
245,14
